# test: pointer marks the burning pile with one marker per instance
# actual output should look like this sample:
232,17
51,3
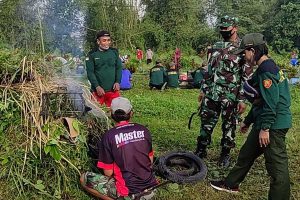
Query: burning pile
34,156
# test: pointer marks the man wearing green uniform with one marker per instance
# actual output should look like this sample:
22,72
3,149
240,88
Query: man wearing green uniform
198,76
172,76
270,115
221,92
104,70
158,76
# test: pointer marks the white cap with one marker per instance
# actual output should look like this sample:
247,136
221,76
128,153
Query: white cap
121,103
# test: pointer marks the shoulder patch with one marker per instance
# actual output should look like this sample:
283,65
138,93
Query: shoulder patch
268,66
267,83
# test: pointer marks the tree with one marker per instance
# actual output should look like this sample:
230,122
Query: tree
18,24
120,17
284,28
179,24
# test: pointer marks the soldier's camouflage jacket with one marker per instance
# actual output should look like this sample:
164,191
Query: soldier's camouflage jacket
225,74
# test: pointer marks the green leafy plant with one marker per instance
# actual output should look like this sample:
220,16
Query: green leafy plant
52,147
132,65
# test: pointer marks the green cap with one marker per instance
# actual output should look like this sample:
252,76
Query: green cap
250,40
158,61
227,21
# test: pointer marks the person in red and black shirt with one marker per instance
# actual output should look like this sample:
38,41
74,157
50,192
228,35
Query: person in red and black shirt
139,54
126,157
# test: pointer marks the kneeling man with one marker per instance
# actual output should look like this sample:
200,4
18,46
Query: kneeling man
126,157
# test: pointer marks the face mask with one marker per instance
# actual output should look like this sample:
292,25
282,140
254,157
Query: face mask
104,47
226,34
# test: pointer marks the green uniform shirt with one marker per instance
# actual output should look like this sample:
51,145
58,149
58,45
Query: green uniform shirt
197,77
273,109
104,69
173,78
158,75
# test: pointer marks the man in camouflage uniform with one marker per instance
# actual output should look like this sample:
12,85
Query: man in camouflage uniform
221,91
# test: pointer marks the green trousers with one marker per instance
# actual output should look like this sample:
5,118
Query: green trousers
276,162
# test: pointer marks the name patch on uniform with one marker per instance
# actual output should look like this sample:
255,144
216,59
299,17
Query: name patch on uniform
155,69
267,83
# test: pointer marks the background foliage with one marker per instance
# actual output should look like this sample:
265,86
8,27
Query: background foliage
160,24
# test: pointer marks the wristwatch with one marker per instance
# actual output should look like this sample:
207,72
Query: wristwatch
265,129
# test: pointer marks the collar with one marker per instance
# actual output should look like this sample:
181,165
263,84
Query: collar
236,42
122,123
100,49
262,59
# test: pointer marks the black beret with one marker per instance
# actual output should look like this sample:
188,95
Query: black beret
102,33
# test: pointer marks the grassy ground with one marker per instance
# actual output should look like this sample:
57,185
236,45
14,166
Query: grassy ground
166,114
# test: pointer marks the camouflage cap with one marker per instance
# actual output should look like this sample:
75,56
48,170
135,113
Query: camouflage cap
227,21
250,40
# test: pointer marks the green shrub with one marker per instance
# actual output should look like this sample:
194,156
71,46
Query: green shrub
132,65
9,61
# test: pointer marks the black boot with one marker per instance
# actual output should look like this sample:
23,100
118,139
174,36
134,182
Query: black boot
201,148
224,159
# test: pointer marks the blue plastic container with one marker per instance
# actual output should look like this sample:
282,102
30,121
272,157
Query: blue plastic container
294,80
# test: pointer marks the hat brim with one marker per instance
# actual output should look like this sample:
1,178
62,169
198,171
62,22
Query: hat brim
237,51
225,24
103,35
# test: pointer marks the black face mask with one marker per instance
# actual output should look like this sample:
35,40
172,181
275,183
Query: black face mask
226,34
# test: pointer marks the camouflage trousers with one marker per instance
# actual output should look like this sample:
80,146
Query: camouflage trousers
107,186
101,183
210,112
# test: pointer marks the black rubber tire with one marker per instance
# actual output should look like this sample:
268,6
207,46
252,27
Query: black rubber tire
199,168
190,167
